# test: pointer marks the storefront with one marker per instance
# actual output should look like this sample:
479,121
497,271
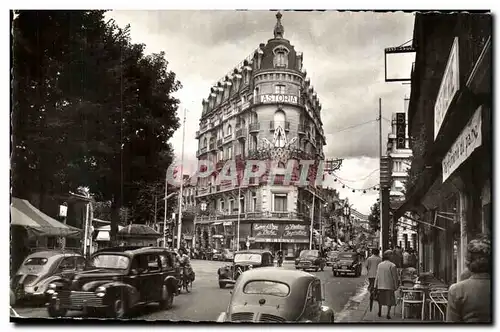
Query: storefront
450,194
290,238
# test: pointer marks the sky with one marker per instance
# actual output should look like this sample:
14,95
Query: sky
343,56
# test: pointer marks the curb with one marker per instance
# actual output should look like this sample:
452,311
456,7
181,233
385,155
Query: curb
358,315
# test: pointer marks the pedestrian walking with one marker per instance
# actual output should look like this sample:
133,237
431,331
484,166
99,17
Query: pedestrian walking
386,283
469,301
371,266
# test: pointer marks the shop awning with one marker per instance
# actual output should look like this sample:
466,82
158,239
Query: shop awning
37,223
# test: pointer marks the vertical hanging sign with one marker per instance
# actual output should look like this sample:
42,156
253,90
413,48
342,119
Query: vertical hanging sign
400,130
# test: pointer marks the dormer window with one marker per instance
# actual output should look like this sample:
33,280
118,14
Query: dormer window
280,57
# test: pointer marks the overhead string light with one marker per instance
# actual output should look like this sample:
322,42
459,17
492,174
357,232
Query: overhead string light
363,190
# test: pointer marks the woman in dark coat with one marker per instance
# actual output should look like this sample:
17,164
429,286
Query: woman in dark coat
386,283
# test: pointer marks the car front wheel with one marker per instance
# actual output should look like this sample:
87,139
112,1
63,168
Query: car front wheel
118,308
222,284
167,298
55,311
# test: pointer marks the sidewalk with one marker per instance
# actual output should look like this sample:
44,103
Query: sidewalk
362,313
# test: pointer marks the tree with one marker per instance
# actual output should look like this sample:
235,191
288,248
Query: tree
374,217
90,108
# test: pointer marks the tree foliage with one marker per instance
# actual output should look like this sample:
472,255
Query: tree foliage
90,108
374,217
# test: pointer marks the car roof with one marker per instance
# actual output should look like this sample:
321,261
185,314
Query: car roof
52,254
275,274
253,251
134,250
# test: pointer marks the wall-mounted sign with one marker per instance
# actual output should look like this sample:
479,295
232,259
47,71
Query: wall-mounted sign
400,130
469,139
449,87
279,98
265,230
294,230
385,172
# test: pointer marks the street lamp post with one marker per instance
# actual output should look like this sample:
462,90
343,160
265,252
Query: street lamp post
347,213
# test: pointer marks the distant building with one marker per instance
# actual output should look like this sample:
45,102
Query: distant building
398,149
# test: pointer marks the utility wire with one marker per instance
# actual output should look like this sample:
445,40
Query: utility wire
361,179
352,127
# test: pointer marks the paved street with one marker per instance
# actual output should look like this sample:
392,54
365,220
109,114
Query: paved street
207,300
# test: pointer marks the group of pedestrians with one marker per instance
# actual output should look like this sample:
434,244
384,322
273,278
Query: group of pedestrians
469,300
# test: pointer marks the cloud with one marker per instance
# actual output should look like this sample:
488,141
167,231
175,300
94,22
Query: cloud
343,56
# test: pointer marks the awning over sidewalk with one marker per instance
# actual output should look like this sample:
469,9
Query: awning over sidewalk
37,223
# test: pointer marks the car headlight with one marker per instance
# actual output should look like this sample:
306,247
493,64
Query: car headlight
100,291
52,286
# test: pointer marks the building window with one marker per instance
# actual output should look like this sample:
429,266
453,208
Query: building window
205,143
280,89
229,131
231,205
279,118
280,57
229,152
242,204
221,205
254,201
280,202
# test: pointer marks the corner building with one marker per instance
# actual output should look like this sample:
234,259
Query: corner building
263,109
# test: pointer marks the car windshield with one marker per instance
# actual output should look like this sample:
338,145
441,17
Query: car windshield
254,258
309,253
118,262
36,261
347,256
262,287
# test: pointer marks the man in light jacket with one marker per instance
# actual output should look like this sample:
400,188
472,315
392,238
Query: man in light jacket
371,266
386,283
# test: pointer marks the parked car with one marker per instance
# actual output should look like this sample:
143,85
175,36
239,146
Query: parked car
331,257
40,268
270,295
243,261
227,255
116,280
347,263
310,260
217,255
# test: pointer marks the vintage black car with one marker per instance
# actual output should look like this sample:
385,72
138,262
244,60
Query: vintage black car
271,295
116,280
347,263
310,260
243,261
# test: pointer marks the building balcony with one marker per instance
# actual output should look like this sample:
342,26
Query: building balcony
241,133
219,143
228,138
201,151
250,216
254,127
274,125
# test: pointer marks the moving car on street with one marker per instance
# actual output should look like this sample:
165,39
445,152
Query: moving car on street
115,281
310,260
271,295
217,255
347,263
40,268
243,261
227,255
331,257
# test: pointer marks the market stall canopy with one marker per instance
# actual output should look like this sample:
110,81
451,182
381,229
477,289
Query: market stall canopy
37,223
137,230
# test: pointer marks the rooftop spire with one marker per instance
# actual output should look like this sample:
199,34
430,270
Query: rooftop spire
279,31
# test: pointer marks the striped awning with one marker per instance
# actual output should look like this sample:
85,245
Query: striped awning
37,223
